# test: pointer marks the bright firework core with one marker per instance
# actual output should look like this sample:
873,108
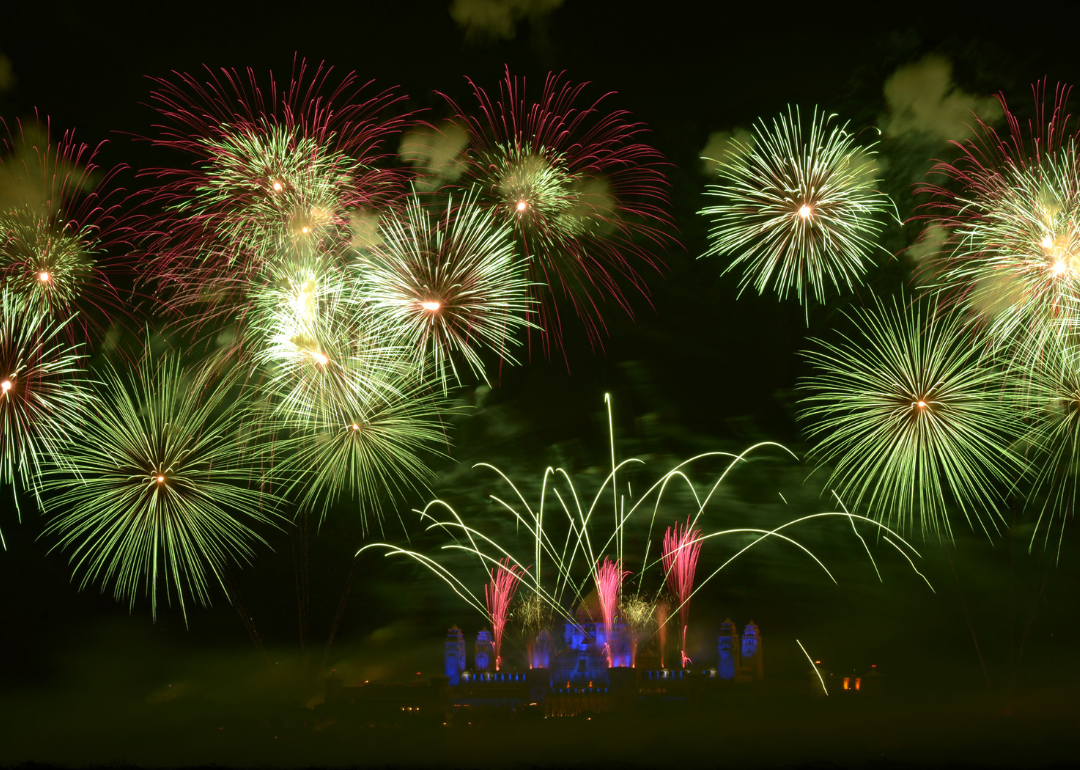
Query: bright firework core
320,357
160,479
522,205
431,307
43,276
805,211
5,385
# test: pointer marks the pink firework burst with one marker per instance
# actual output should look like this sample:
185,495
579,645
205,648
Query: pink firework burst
275,175
1006,230
681,548
498,594
585,198
609,577
58,224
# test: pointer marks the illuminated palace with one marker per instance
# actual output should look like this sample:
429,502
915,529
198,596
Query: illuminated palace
575,677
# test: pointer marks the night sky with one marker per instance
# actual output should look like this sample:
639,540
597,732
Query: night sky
697,369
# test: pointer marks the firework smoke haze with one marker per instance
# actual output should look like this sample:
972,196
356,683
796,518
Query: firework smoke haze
720,144
436,152
493,20
923,100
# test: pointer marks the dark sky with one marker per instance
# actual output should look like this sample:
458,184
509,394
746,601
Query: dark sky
699,370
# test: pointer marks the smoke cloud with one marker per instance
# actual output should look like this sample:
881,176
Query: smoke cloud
436,152
722,143
493,20
923,99
7,74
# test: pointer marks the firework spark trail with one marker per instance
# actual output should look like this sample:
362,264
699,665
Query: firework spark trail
445,287
907,412
584,197
681,548
57,217
1006,232
498,595
609,578
798,213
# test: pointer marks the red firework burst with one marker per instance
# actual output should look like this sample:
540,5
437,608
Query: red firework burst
58,225
275,174
1006,226
585,198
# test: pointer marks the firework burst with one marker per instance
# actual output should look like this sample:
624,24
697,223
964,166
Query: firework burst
161,489
44,395
275,173
582,195
909,415
1049,400
366,438
797,209
54,226
447,288
1012,256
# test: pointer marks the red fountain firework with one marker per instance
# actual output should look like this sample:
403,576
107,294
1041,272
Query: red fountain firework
498,594
681,548
57,220
274,173
609,577
583,196
1009,229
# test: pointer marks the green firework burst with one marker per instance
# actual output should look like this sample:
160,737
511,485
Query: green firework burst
366,443
798,211
1049,393
44,395
909,415
445,287
162,488
44,264
269,191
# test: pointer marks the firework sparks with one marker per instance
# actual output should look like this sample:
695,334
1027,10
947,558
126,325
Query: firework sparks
681,549
498,595
798,211
609,578
908,413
